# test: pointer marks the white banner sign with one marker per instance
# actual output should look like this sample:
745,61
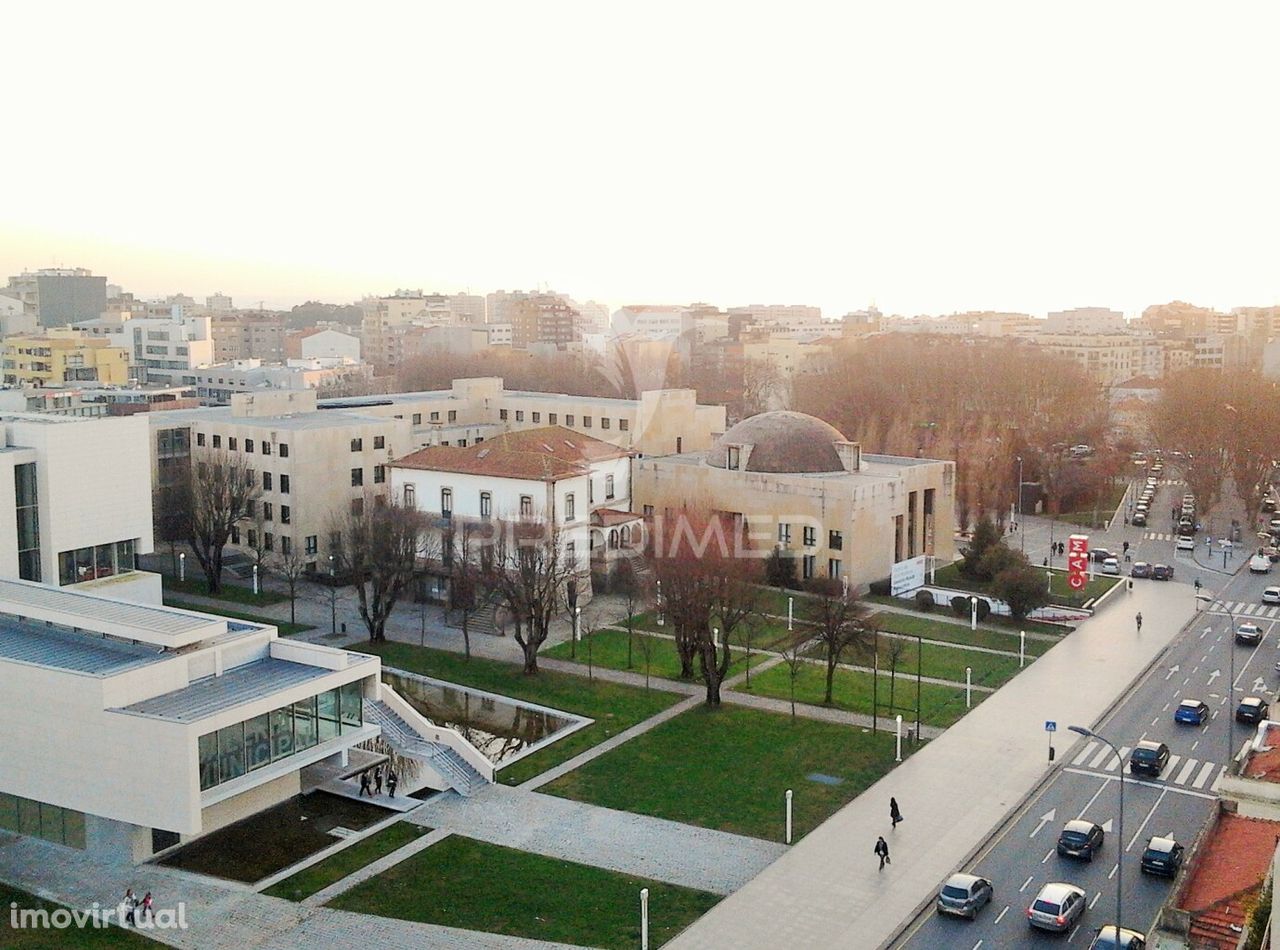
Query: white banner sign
908,575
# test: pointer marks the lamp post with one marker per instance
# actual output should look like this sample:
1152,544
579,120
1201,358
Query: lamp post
1231,683
973,612
182,567
333,596
1023,537
1090,734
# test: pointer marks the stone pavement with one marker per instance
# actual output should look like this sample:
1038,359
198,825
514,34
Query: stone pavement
715,861
826,891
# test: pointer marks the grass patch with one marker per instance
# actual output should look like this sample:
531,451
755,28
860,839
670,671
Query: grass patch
609,650
956,633
232,593
471,884
767,633
286,628
613,706
729,769
950,576
940,662
72,938
316,878
852,690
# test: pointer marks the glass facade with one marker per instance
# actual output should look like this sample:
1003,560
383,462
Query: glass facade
25,816
231,751
26,497
101,560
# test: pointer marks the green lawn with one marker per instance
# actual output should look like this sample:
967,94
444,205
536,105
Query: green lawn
461,882
347,861
939,705
613,706
729,769
609,649
232,593
956,633
939,662
70,938
286,628
765,632
950,576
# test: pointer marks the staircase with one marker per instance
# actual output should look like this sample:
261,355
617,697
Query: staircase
483,620
455,770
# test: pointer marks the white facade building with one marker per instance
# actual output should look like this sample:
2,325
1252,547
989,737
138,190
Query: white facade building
1087,320
164,350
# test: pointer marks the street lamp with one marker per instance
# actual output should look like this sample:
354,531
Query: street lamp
333,597
1090,734
1023,537
1231,683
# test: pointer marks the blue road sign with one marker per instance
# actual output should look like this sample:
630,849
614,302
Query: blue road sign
1050,726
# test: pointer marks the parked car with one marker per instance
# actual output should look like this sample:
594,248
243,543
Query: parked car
1140,569
1057,907
1149,758
1163,856
1274,525
1112,566
1100,554
1080,839
1187,527
1271,595
1268,505
1191,711
1125,939
1248,633
1139,519
1260,564
964,895
1185,543
1162,572
1252,710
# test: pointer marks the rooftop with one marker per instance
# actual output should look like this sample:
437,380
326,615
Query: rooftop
61,648
542,454
213,694
1235,856
292,422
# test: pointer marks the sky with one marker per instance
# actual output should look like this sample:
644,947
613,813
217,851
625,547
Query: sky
927,157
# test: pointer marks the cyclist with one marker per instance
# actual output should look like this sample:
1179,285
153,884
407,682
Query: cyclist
1139,620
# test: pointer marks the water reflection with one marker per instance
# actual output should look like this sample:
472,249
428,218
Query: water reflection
498,728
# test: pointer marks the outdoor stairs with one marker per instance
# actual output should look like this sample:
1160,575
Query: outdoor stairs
461,777
1218,927
483,620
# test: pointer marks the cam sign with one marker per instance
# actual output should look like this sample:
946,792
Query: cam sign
1078,561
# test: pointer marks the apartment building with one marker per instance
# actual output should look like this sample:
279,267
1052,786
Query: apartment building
217,384
1088,321
794,317
317,343
164,349
248,335
57,296
14,320
385,319
63,356
544,319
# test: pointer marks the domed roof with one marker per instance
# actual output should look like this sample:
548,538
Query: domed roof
781,441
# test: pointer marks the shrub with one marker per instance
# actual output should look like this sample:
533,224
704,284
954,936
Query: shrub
780,570
998,559
985,536
984,608
960,605
1022,588
924,600
880,588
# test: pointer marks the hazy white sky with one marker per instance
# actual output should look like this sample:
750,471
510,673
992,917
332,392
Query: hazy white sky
928,156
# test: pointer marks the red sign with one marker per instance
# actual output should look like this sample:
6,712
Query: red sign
1077,561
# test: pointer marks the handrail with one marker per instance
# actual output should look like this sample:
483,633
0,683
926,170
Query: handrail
440,734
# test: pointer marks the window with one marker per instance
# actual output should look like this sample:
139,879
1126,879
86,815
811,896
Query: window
568,420
417,418
357,477
486,504
248,446
217,441
312,544
357,506
537,417
784,533
231,443
435,417
453,415
357,445
526,506
608,486
446,501
28,517
284,450
379,474
733,458
833,568
571,556
835,540
235,534
502,414
251,538
569,513
519,415
284,484
266,481
379,441
604,422
648,511
250,508
810,536
586,422
266,448
552,418
624,424
268,511
285,514
806,569
199,438
679,444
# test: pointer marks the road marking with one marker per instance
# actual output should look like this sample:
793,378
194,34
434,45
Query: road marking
1194,744
1187,768
1205,771
1088,751
1172,764
1115,763
1137,834
1046,857
1155,721
1000,916
1044,820
1173,669
1102,754
1030,878
977,945
1089,803
1113,871
1186,681
1095,899
1145,783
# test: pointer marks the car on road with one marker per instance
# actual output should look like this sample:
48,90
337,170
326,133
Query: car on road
1186,543
1191,711
1057,907
1080,839
1100,555
1248,633
1139,520
1260,564
1163,856
1252,710
1186,527
1112,566
964,895
1140,569
1271,595
1149,758
1125,939
1162,572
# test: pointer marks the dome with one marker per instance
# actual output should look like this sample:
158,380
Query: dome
781,441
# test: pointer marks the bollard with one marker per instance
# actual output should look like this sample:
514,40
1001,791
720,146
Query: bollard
1022,648
788,816
790,603
644,918
255,580
968,687
899,752
182,566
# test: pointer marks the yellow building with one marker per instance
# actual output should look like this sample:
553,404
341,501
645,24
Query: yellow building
57,358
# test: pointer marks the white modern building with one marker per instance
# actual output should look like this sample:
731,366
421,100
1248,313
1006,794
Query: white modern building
165,350
316,343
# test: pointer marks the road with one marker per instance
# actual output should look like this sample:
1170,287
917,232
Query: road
1021,858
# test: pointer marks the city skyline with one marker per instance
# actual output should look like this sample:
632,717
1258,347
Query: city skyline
928,160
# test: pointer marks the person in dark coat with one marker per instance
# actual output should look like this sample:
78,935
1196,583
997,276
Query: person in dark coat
377,780
392,782
882,851
894,814
364,783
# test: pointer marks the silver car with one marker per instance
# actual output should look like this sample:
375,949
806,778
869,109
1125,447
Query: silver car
965,895
1057,907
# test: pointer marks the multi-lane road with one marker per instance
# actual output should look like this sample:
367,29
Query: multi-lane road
1021,857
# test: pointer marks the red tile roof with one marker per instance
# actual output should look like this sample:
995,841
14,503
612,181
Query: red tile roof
544,454
1264,765
608,517
1233,858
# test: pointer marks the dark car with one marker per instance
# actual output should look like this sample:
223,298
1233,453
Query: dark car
1140,569
1080,839
1191,711
1162,572
1100,555
1186,526
1149,758
965,895
1112,937
1252,710
1139,519
1163,856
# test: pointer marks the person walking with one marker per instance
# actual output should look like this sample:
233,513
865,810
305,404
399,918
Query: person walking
129,903
146,908
895,815
392,782
882,852
377,780
1138,619
364,784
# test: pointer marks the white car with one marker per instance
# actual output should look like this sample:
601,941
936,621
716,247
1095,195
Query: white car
1112,566
1259,564
1186,543
1271,595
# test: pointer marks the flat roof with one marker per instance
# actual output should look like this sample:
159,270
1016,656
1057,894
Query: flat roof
213,694
59,648
160,626
290,422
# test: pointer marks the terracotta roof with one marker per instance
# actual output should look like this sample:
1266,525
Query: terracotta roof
545,454
1233,858
1264,765
608,517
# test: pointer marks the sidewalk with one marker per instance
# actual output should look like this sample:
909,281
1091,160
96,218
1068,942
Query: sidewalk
826,891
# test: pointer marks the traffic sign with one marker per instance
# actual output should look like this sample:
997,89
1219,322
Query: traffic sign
1050,726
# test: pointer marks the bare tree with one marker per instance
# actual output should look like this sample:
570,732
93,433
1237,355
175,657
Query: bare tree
223,488
737,602
378,549
632,583
530,569
171,505
465,578
291,565
839,624
793,656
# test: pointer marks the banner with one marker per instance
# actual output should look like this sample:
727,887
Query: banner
908,575
1078,561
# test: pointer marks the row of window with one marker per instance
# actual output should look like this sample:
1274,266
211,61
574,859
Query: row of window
379,476
26,816
268,511
435,417
835,539
379,442
569,419
100,560
234,750
486,501
233,444
268,480
269,540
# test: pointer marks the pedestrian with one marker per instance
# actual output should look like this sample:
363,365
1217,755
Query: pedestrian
146,908
392,782
895,815
882,852
1046,562
377,780
1062,549
364,784
1139,621
129,903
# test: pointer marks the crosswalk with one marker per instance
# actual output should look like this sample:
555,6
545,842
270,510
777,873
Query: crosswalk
1242,609
1160,536
1186,772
